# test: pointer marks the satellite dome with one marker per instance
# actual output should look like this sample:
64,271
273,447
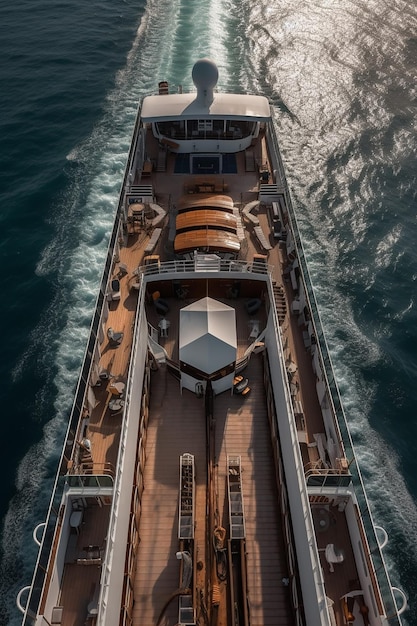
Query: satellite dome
205,74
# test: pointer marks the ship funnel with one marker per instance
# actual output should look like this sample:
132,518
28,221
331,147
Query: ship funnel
205,75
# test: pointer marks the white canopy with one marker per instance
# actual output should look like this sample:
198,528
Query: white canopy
207,335
188,106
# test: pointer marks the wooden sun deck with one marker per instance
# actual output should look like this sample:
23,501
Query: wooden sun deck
82,564
104,426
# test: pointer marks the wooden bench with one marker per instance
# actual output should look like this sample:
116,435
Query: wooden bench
147,169
153,241
210,185
261,238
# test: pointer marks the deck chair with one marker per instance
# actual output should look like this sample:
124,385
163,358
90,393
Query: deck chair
115,289
253,305
56,617
160,305
122,270
254,329
333,555
180,291
115,338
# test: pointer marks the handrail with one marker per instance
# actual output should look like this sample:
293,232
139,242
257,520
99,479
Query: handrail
324,471
174,267
98,469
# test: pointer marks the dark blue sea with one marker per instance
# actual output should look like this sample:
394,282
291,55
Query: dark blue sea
342,78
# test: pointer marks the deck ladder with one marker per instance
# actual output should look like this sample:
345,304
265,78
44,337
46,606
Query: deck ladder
186,602
186,505
234,484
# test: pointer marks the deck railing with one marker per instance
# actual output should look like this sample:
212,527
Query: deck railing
205,264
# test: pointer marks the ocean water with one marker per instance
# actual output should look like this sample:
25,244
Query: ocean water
342,78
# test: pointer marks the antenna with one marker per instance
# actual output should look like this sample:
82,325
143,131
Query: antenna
205,75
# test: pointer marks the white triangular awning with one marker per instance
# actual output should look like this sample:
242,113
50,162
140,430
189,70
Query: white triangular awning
207,335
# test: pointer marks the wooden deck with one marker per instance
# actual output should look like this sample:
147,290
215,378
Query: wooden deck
242,429
177,425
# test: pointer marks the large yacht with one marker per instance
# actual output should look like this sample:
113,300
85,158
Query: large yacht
208,475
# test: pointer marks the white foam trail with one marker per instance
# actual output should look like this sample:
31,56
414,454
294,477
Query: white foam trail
385,250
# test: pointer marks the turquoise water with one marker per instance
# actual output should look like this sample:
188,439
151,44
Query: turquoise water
341,76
